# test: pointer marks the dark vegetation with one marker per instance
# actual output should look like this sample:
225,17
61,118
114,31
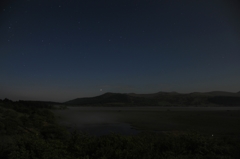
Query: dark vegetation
225,100
160,99
28,130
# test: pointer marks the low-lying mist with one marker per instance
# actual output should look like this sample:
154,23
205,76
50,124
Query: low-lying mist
93,122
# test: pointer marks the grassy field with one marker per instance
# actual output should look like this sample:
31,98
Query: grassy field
207,122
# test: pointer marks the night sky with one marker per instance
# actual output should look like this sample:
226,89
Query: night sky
57,50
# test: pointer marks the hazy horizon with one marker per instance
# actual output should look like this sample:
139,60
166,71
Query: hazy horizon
71,98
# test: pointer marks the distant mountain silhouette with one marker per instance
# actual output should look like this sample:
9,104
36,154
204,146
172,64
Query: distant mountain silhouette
214,98
107,98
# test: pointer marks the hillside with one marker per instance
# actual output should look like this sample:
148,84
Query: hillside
29,130
216,98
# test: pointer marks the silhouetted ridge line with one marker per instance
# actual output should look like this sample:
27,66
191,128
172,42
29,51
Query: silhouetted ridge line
214,98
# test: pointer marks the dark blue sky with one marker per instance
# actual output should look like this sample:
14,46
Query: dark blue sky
60,49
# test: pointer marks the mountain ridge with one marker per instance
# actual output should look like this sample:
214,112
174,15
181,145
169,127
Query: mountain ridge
213,98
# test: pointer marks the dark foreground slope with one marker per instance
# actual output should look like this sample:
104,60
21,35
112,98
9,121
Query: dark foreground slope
28,130
216,98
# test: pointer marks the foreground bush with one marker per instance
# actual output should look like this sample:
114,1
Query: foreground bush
147,146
